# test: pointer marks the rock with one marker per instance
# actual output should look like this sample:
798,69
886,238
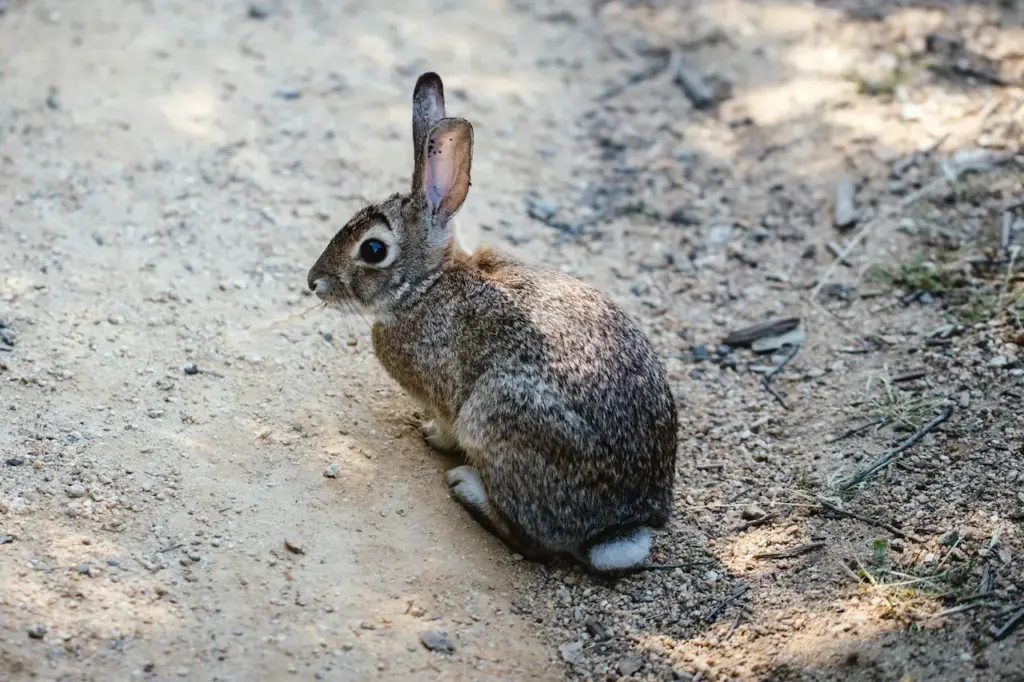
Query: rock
770,328
287,94
327,334
596,628
14,461
973,160
701,353
258,11
571,651
695,86
719,235
37,631
332,470
191,370
294,546
752,512
155,413
541,210
75,490
999,361
436,641
845,207
769,344
630,665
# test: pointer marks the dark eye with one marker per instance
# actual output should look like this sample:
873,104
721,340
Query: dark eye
373,251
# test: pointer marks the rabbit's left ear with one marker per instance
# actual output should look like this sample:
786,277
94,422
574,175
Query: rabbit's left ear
427,111
447,158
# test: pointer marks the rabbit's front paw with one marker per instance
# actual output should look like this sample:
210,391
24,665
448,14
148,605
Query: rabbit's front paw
468,488
439,436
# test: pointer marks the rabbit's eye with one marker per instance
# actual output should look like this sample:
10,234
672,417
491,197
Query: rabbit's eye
373,251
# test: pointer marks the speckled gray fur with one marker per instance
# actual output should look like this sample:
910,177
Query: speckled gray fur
552,393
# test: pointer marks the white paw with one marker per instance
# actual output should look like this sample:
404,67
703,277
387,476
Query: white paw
468,487
439,436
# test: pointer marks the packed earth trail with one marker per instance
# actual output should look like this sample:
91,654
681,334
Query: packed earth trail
204,476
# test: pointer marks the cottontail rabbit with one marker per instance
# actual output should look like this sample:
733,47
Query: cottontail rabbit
552,395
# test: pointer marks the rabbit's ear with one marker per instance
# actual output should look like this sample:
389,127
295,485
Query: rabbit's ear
427,110
447,159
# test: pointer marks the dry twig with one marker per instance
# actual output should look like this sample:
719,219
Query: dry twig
1015,621
767,378
791,552
888,457
754,523
872,522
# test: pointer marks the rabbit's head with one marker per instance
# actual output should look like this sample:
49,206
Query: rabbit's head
387,250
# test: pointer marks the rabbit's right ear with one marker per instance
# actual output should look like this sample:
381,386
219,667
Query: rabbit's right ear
427,110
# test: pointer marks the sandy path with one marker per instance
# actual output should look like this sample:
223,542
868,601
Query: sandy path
162,211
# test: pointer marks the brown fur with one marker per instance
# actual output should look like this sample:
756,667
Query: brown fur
551,392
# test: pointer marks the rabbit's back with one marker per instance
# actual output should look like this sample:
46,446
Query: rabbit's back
544,366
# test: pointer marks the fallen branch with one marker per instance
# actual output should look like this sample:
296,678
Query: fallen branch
791,552
888,457
1016,620
912,375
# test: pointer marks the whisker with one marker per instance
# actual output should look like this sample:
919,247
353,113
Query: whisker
300,314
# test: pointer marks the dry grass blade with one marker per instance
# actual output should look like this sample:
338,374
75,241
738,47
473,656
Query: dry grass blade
895,405
302,313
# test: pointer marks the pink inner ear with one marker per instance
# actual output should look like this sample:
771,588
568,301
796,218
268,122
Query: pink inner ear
440,168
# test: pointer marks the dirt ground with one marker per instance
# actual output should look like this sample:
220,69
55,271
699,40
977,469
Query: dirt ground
202,479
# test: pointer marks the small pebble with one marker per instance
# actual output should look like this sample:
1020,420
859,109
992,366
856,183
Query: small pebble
541,210
630,665
294,547
75,490
436,641
289,93
15,461
332,470
258,11
191,370
37,631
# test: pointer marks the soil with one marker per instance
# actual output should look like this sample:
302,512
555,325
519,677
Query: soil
202,477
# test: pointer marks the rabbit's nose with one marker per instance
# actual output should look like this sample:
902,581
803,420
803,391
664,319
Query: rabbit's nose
318,284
